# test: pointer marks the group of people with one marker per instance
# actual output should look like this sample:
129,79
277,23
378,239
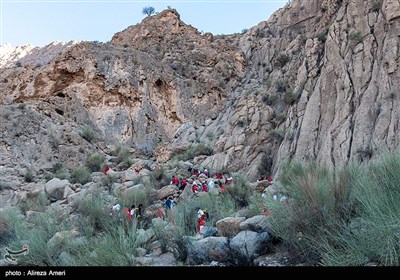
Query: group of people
133,212
263,177
201,176
128,213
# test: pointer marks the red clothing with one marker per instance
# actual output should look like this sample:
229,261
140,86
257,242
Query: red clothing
175,181
269,179
205,189
184,182
160,213
195,188
105,170
201,222
127,213
219,176
266,212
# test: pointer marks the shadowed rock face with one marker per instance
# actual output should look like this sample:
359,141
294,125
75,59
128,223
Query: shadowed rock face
318,80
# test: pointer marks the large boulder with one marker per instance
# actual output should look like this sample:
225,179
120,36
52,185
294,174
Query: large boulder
166,191
206,250
55,188
229,226
257,223
250,244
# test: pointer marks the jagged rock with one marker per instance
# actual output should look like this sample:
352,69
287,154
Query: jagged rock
166,191
140,252
166,259
249,243
144,261
144,236
207,249
55,188
154,245
257,223
208,231
75,198
7,198
129,175
67,192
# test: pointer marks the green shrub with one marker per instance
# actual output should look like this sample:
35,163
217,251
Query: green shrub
346,217
242,121
322,35
269,99
281,59
54,142
115,247
8,217
29,176
210,135
122,154
125,164
355,37
21,106
87,134
310,210
193,151
280,86
277,133
376,5
34,202
108,180
239,190
37,234
95,162
80,175
61,174
290,96
138,196
173,239
95,211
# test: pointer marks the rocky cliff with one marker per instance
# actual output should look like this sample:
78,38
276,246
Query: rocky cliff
318,80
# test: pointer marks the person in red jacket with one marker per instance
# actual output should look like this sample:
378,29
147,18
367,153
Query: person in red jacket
204,187
175,181
195,187
183,183
200,219
106,169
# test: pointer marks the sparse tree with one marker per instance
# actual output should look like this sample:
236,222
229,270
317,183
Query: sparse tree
148,11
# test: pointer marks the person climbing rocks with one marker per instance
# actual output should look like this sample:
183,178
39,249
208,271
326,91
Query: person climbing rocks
200,219
174,181
106,169
195,187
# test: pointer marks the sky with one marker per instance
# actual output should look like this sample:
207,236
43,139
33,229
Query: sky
39,22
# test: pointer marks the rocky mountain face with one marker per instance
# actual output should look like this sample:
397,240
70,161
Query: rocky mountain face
318,80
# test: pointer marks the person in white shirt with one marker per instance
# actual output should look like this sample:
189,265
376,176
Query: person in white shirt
116,208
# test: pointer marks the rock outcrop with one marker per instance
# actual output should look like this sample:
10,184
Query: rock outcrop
317,81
